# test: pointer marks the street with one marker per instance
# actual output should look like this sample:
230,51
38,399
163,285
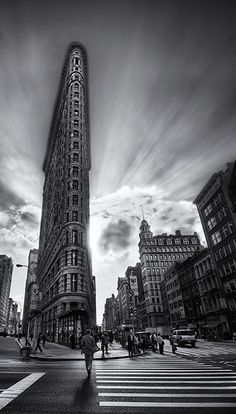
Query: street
193,380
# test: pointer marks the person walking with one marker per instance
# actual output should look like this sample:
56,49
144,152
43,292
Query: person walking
154,342
161,343
104,344
88,348
173,346
131,345
38,346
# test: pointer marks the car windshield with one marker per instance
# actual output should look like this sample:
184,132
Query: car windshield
186,333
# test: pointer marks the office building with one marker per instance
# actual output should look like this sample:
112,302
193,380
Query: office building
64,270
157,254
217,210
6,268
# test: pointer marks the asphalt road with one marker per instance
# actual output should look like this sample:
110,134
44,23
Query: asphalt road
192,381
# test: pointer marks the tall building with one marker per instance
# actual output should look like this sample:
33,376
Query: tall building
31,300
216,205
192,297
64,266
6,268
157,254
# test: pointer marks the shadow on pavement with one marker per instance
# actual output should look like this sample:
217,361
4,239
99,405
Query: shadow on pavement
84,394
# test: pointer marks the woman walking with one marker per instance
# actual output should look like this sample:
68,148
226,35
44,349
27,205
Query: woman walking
88,348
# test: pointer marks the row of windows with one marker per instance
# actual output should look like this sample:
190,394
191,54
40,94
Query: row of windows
226,250
220,215
170,249
217,199
169,256
176,304
174,294
67,283
222,233
228,267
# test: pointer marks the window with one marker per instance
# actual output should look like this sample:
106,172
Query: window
65,283
194,241
75,215
75,157
75,184
169,241
207,210
75,236
177,241
75,145
74,282
75,200
66,258
211,223
74,258
75,171
76,103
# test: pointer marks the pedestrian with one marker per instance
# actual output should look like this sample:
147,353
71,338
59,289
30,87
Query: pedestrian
38,346
234,336
136,345
154,341
44,338
161,343
72,340
173,346
142,343
104,344
88,348
131,344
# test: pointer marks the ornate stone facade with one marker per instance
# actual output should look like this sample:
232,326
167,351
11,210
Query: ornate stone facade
158,254
64,265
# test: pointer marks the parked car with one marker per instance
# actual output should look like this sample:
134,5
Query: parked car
184,336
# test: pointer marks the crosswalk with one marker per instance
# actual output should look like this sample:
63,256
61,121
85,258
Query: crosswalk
166,382
203,350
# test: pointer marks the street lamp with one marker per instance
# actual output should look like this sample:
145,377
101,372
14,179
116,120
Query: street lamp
37,300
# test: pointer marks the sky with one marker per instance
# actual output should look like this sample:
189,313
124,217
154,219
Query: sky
162,99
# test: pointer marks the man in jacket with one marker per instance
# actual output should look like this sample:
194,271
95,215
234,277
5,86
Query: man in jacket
88,348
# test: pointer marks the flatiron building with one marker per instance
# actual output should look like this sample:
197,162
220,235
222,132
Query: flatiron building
64,269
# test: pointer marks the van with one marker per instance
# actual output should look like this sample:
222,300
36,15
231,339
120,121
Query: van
184,336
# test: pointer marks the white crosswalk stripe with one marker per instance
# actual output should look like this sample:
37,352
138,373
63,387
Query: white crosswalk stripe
165,382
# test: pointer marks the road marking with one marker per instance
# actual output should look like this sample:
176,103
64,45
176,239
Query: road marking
167,381
142,371
143,387
163,377
12,392
183,404
153,395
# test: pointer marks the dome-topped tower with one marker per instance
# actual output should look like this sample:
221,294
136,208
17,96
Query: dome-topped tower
145,232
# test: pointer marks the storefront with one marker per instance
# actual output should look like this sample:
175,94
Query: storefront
75,321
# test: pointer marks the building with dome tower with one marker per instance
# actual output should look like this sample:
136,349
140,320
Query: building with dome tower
157,254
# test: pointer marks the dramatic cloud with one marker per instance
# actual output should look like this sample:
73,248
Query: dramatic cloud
116,236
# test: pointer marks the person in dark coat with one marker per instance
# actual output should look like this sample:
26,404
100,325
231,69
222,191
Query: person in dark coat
161,343
88,347
104,343
72,340
38,346
173,346
131,345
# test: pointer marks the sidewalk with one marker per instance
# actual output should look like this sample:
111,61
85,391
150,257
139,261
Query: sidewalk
57,352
